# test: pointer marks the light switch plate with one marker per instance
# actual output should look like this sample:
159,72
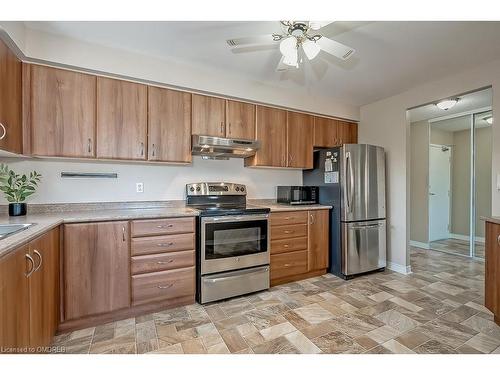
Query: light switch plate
139,187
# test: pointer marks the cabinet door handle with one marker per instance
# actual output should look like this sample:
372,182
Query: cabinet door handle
123,234
153,150
32,262
222,128
89,145
39,258
498,240
229,128
311,217
3,130
142,148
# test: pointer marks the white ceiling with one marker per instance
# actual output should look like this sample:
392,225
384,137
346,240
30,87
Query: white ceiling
468,102
461,123
391,57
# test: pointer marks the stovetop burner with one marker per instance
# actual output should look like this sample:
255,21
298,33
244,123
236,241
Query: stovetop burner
220,199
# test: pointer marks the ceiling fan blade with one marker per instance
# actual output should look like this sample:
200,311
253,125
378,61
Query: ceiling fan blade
259,39
282,66
335,48
316,25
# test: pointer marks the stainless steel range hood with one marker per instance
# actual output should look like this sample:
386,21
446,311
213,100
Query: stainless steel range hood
223,148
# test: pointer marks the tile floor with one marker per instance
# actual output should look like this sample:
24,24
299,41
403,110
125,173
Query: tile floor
437,309
457,247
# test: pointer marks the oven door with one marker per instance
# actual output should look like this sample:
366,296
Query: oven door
234,242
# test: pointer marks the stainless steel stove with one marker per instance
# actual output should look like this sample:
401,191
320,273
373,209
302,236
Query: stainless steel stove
232,241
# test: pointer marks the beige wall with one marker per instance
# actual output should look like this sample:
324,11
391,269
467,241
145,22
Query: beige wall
385,123
441,137
419,186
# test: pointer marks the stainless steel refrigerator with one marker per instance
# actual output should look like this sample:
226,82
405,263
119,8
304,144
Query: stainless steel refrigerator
351,178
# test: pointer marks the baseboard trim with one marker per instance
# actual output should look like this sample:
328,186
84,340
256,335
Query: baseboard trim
405,270
420,245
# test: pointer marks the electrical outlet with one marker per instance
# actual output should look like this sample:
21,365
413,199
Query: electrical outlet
139,187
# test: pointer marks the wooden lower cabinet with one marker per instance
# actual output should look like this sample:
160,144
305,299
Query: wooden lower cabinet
492,270
96,268
119,269
29,295
299,245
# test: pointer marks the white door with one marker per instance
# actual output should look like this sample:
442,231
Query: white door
439,192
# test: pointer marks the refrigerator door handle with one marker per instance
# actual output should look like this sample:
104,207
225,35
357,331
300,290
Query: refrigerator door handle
351,181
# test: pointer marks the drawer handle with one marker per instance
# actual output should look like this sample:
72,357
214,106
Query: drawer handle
165,286
287,218
285,245
165,244
163,262
286,265
163,226
288,231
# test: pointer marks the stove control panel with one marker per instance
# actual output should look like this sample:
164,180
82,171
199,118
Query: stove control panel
215,188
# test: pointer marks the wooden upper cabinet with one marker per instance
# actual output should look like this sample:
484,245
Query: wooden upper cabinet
169,124
96,263
14,300
44,289
347,132
300,133
270,130
121,119
318,240
240,120
63,111
325,132
10,101
208,116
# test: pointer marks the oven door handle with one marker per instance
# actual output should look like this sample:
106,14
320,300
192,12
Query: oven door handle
221,219
236,274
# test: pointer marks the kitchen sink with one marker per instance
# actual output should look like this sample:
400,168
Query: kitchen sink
10,229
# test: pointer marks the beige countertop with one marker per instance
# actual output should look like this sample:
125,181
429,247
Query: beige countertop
54,216
491,219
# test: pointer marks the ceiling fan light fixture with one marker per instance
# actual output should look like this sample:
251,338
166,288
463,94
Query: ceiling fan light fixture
288,46
311,49
489,119
447,104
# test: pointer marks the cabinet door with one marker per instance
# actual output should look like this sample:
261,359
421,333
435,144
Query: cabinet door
208,116
96,268
240,120
347,132
492,269
63,105
270,130
44,289
169,124
14,299
318,240
325,132
121,119
300,134
10,100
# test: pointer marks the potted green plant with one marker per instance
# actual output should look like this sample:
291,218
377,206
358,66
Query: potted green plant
16,188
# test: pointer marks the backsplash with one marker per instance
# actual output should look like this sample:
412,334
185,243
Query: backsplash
161,182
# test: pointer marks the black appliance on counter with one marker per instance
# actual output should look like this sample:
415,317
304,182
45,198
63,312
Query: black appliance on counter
297,195
233,246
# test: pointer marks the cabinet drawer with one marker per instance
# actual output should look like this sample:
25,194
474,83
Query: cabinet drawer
162,262
162,244
291,217
288,244
288,231
163,285
162,226
288,264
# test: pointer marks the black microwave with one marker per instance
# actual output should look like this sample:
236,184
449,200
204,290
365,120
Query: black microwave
297,194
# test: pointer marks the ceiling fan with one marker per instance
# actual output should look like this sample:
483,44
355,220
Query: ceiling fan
297,39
